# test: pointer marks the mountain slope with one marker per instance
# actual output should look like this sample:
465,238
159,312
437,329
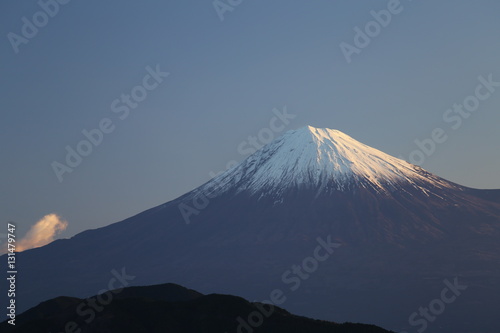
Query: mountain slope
316,158
160,309
401,229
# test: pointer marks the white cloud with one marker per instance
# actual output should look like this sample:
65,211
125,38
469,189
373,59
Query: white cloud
42,233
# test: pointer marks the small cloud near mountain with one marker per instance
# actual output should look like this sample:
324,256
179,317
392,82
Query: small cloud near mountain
41,233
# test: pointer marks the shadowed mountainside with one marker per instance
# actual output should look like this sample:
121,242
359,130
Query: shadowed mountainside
173,309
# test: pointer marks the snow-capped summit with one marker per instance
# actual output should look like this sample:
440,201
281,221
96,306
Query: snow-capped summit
322,158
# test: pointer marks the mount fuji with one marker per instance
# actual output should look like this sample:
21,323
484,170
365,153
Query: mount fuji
401,234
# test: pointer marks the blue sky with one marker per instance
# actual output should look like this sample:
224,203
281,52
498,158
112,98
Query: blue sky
225,78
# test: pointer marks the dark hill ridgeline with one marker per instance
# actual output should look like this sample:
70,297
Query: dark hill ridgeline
173,309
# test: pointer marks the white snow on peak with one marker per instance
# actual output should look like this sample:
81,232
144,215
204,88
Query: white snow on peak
319,157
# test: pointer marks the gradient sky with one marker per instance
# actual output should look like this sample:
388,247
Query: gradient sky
225,79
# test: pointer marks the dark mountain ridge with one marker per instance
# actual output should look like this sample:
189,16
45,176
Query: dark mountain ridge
169,308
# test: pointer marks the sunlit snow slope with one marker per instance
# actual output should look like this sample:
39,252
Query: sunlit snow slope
324,159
